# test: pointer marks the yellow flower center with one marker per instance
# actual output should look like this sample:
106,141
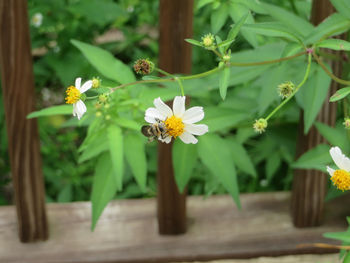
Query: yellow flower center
341,179
175,126
207,41
73,95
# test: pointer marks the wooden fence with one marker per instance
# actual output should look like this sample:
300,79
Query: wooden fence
128,229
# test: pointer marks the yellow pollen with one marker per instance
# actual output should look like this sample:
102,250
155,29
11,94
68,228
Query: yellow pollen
341,179
73,95
174,126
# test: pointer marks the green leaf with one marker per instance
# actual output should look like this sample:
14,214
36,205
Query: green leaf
115,141
220,118
134,148
105,63
335,136
235,29
340,94
291,49
253,5
96,146
316,158
314,93
127,123
65,194
333,25
194,42
347,258
342,6
184,160
237,11
215,153
342,236
291,20
218,18
54,110
335,44
104,187
273,162
223,81
273,29
241,158
202,3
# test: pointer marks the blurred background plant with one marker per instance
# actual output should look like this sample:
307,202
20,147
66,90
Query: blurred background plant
128,29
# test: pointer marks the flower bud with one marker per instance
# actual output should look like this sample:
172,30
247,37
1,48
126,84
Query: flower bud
96,82
346,123
285,89
143,66
103,98
260,125
98,114
208,40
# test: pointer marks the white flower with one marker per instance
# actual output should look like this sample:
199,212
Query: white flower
178,121
74,94
341,176
37,19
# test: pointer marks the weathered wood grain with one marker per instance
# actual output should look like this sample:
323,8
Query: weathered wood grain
23,141
309,186
127,232
175,24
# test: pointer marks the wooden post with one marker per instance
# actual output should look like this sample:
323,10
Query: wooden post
175,57
309,186
23,140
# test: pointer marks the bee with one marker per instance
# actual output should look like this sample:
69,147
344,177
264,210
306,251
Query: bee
155,130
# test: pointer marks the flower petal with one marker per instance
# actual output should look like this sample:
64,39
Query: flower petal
196,129
80,109
78,83
155,114
166,139
179,106
193,115
330,171
162,108
86,86
150,119
340,159
187,138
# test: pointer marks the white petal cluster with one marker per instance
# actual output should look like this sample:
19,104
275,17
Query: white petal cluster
189,117
79,107
37,19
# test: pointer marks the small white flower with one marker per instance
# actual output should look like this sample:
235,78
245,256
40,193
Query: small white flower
37,19
341,176
178,121
74,94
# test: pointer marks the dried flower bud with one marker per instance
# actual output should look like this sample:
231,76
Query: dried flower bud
143,66
260,125
285,89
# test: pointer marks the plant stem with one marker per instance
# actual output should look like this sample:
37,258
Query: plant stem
266,62
206,73
164,72
296,89
217,53
181,86
335,78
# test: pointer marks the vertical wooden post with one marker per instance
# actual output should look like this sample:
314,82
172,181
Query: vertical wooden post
175,57
23,140
309,186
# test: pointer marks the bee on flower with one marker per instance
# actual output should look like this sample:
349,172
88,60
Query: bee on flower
341,176
176,122
75,96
